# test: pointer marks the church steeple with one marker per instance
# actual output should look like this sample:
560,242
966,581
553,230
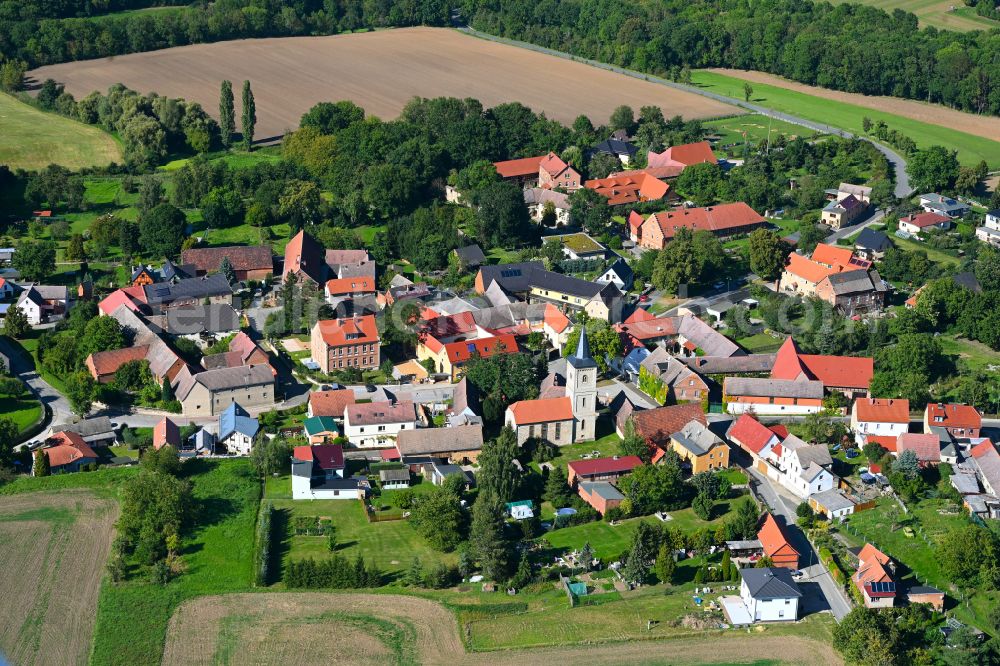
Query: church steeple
582,358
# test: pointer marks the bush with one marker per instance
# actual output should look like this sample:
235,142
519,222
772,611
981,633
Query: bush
335,572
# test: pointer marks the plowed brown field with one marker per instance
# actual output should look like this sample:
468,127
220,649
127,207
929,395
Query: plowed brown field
380,71
53,547
212,630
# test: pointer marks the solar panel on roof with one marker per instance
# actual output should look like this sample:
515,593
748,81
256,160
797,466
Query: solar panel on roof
513,272
888,586
162,291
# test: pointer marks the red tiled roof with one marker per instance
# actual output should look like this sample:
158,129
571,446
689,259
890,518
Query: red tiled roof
779,430
882,410
640,315
953,416
543,410
923,220
887,442
242,258
662,172
628,189
63,448
807,269
526,166
605,465
374,413
115,300
750,434
166,432
304,255
683,155
486,347
350,285
331,403
982,449
832,255
649,328
927,447
635,220
833,371
348,331
773,538
108,362
555,318
552,164
710,218
326,456
390,454
657,425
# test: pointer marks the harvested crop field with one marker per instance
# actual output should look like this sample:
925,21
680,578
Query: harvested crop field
987,127
53,546
380,71
401,629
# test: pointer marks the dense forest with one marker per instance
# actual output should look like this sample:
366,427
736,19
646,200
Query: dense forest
846,47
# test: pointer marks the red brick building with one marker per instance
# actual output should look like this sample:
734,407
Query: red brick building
351,342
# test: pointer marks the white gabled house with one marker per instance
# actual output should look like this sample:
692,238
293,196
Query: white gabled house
238,431
804,468
880,417
770,594
318,473
377,424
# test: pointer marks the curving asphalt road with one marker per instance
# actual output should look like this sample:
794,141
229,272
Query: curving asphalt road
903,188
25,369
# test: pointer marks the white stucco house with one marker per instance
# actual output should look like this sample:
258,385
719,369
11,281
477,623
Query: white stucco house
318,473
238,431
805,468
770,594
376,424
880,417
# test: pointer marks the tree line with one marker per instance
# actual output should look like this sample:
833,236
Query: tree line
846,46
41,33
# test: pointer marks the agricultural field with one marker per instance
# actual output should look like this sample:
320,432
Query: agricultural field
53,546
926,124
290,75
398,629
33,139
942,14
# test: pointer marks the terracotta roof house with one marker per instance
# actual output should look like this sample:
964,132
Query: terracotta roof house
546,418
752,436
242,351
926,446
657,425
524,170
103,365
873,578
682,156
772,396
879,416
166,432
601,469
621,190
849,374
962,421
635,221
460,444
554,173
115,300
917,223
349,287
349,342
330,403
305,258
683,335
67,452
776,544
723,220
250,262
837,276
452,340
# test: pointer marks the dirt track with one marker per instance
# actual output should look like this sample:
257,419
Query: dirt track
380,71
53,547
987,127
194,635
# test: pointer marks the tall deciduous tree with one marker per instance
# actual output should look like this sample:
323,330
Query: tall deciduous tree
227,115
35,260
767,254
161,231
80,392
249,115
15,323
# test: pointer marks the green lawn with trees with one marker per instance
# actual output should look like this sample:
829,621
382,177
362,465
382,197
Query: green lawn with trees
33,139
971,149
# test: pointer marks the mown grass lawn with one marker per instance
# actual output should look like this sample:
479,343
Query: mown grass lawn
24,412
389,545
753,128
33,139
132,617
975,354
971,149
759,343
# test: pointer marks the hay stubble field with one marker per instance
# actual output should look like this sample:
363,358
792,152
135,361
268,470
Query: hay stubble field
53,547
379,71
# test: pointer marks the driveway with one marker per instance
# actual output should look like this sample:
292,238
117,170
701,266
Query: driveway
875,218
23,367
819,590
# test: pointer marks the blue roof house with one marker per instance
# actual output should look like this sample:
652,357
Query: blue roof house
238,431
